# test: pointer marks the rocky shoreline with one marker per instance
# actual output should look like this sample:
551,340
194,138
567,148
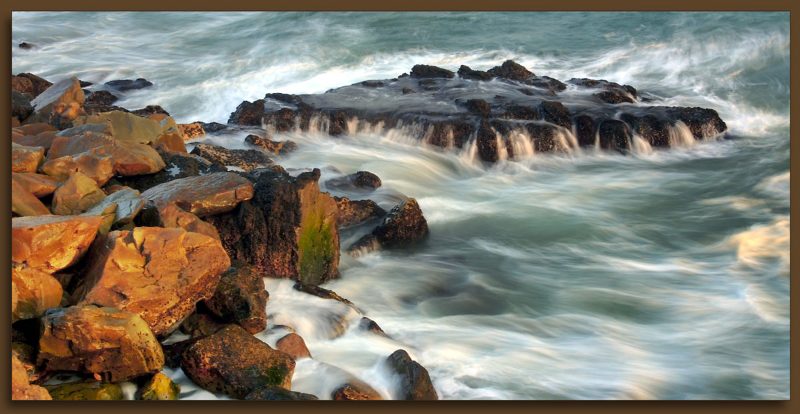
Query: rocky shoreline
121,237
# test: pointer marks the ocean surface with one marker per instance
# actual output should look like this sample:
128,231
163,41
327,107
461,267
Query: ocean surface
584,275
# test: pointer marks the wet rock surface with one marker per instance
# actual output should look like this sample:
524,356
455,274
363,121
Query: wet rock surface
415,383
247,160
354,212
51,243
275,147
235,363
402,227
241,298
432,104
202,195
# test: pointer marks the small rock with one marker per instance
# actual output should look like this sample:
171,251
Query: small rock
427,71
293,345
191,131
278,394
78,194
128,201
101,98
403,226
355,391
26,45
51,243
369,325
466,72
159,387
511,70
415,382
38,85
275,147
202,195
86,391
360,180
128,84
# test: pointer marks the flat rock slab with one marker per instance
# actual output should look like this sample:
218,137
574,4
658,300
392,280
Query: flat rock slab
128,201
247,160
202,195
234,362
158,273
39,185
114,344
51,243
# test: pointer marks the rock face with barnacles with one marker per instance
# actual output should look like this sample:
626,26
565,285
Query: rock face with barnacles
505,112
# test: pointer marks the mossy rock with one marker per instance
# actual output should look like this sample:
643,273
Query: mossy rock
86,391
159,387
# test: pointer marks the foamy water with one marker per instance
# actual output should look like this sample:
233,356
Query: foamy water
578,275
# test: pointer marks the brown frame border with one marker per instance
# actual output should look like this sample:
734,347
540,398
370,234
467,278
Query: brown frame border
403,5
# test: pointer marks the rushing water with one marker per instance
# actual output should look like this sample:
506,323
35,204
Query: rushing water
589,275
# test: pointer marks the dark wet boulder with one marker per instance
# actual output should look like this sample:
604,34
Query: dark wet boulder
101,98
415,383
614,135
287,230
654,130
271,393
212,127
511,70
235,363
610,92
275,147
402,227
487,143
367,324
240,298
20,105
428,71
543,136
248,113
703,122
478,107
555,113
354,212
357,181
247,160
293,345
321,292
150,110
466,72
585,129
522,112
123,85
614,96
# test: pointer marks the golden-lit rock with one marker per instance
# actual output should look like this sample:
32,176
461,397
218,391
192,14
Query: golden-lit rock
174,216
128,127
112,343
129,158
21,388
202,195
234,362
25,159
159,273
94,164
42,139
78,194
170,141
61,102
35,128
128,204
159,387
36,292
24,203
51,243
39,185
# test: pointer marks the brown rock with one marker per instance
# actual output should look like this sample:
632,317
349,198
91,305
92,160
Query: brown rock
275,147
353,212
114,344
25,159
86,391
42,139
278,394
240,298
415,382
402,227
36,291
355,390
235,363
61,102
35,128
202,195
38,184
22,85
191,131
174,216
129,127
247,160
93,163
156,272
129,158
23,202
128,204
21,388
199,325
78,194
293,345
178,165
170,141
38,85
51,243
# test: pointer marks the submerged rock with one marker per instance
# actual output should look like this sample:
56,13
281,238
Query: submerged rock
287,230
275,147
235,363
158,273
415,383
114,344
353,212
403,226
129,84
360,180
293,345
